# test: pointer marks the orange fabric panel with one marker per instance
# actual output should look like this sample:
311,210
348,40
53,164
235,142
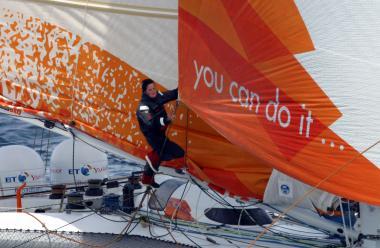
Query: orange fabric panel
221,25
178,209
283,18
228,180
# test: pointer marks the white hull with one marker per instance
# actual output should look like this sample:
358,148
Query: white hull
202,231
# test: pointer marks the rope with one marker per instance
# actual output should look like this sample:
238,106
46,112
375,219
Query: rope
167,132
42,139
43,225
349,216
186,135
35,138
348,243
47,151
307,193
73,160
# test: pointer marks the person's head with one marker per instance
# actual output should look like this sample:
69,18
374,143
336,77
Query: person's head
149,88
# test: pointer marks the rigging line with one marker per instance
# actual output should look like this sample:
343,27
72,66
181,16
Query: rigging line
170,225
47,151
307,193
186,136
43,225
348,243
179,205
197,206
349,216
87,143
83,243
126,228
167,132
35,138
73,160
167,228
226,203
247,234
289,237
293,220
208,194
42,139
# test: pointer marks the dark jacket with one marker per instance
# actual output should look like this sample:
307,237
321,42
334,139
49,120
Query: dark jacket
153,118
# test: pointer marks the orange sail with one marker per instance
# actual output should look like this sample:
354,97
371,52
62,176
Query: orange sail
239,71
52,73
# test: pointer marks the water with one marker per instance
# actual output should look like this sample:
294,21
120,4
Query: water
43,141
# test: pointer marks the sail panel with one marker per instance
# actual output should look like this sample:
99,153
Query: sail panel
258,87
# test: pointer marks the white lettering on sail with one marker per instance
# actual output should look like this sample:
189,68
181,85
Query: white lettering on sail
199,73
210,78
276,111
309,120
209,83
277,115
235,85
243,97
254,96
286,110
219,88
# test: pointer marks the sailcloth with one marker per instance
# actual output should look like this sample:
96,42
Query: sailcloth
82,66
293,83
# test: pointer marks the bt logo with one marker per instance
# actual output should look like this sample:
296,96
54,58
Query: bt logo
85,170
22,177
285,189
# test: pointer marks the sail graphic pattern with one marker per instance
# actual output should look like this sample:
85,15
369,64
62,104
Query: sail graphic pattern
52,73
239,73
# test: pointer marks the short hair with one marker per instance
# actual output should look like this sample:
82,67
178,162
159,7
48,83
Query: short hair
145,84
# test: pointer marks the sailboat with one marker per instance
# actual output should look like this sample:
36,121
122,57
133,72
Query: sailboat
277,98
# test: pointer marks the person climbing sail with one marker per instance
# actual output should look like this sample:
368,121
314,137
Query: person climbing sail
153,121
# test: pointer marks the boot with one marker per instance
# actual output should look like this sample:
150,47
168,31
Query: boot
153,161
149,180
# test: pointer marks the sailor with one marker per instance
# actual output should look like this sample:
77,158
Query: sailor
153,121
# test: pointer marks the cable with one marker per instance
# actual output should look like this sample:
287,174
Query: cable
166,133
47,151
73,160
35,138
348,243
42,138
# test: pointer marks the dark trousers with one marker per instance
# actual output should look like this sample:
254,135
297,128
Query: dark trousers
165,151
